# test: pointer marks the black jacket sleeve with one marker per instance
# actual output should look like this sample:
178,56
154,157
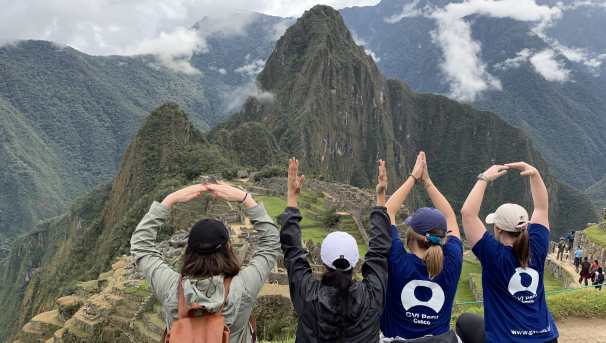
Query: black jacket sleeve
375,268
299,271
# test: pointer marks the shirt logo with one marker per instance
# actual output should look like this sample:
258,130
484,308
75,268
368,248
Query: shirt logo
409,300
515,283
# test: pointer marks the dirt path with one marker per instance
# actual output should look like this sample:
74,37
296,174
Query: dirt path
568,267
577,330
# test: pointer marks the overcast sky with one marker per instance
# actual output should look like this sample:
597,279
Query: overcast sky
129,26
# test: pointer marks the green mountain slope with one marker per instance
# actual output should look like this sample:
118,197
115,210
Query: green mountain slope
168,152
66,119
597,192
333,109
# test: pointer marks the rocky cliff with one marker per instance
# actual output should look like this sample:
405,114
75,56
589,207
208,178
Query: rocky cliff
326,102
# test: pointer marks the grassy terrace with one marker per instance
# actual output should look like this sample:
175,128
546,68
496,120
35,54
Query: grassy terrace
311,205
596,235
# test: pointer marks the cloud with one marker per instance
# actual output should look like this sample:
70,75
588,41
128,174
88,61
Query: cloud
238,96
545,63
578,55
361,42
173,50
408,10
159,27
514,62
462,63
251,69
278,30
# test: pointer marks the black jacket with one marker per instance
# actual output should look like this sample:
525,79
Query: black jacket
322,318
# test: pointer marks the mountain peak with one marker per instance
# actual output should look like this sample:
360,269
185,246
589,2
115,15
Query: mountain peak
162,149
318,39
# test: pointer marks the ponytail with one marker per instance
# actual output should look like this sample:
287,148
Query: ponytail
434,253
521,249
434,260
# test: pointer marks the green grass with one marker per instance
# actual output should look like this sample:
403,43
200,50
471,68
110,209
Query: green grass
585,303
551,283
596,235
471,267
311,229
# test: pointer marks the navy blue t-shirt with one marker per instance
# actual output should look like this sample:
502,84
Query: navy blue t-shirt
514,298
416,305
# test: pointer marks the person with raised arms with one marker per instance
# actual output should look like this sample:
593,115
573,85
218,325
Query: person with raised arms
211,297
513,261
424,272
336,308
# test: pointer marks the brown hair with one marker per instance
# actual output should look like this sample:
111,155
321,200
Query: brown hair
521,248
224,262
434,254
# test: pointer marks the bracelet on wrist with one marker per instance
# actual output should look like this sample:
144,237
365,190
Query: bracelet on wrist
483,177
244,199
413,177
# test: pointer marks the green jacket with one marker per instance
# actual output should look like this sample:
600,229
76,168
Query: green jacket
208,292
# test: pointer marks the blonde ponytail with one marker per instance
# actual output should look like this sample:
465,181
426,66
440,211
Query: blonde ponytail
434,260
434,254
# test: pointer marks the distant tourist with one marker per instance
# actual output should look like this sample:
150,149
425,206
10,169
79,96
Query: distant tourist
599,279
570,240
513,260
594,269
336,308
578,255
585,271
561,248
424,272
211,296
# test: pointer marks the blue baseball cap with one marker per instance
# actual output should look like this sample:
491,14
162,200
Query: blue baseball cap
425,219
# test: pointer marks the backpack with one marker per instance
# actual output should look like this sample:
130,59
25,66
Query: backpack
207,328
600,279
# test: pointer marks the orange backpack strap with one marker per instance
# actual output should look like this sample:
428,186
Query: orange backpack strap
182,307
252,322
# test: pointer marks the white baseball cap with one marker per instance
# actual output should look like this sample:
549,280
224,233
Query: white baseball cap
509,217
339,245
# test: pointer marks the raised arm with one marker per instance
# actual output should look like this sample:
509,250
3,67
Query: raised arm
440,202
399,197
299,271
265,256
375,267
160,276
540,197
472,224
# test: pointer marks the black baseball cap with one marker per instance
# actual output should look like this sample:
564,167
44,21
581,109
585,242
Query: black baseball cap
208,236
